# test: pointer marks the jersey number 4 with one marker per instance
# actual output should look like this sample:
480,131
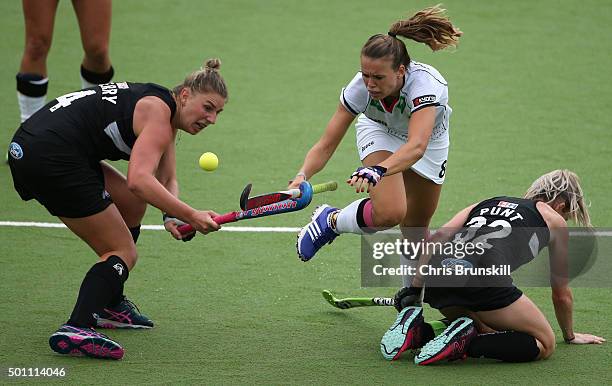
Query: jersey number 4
66,100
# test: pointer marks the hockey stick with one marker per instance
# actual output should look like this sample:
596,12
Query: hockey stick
286,206
247,203
244,196
347,303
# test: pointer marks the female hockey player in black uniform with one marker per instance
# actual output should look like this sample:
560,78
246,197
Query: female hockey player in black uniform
511,231
57,157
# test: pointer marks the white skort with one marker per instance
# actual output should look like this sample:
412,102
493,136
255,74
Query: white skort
372,137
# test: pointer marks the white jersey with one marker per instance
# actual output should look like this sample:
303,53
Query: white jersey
423,86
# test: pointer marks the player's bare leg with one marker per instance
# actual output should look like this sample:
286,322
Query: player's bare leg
39,18
523,335
106,233
523,316
32,79
121,312
94,17
131,207
385,208
422,196
388,196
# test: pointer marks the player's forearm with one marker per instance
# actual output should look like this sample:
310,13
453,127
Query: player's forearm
316,159
168,181
172,186
404,157
563,303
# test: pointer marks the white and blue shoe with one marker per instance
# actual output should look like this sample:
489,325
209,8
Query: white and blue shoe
316,233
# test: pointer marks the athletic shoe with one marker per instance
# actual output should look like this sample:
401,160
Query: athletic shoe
405,333
123,315
452,344
78,341
316,233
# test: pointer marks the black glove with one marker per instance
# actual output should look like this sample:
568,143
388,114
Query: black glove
406,297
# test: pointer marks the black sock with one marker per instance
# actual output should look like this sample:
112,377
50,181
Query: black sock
507,346
428,333
32,85
103,282
96,77
135,231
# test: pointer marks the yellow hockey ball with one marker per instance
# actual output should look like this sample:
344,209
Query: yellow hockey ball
209,161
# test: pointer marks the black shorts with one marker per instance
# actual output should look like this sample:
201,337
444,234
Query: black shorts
65,181
472,298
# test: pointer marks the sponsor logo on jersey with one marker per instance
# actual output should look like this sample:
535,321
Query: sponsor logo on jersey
451,262
367,145
15,150
506,204
423,100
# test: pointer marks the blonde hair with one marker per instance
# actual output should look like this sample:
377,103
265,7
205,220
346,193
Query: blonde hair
207,79
430,26
561,184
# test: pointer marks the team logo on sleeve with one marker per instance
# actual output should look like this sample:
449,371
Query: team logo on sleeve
422,100
15,150
119,268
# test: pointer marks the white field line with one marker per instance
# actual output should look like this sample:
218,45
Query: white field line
150,227
238,229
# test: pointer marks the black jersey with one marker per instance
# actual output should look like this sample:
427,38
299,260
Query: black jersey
512,230
96,122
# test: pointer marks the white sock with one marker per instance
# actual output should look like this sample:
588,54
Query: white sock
407,279
346,220
86,84
29,105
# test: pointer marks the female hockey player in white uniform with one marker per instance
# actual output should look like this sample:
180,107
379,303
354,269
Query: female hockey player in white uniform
402,135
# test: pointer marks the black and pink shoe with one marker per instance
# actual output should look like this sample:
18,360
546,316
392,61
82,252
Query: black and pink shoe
405,333
451,345
124,315
79,341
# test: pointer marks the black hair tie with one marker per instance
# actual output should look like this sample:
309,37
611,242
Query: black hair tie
392,34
